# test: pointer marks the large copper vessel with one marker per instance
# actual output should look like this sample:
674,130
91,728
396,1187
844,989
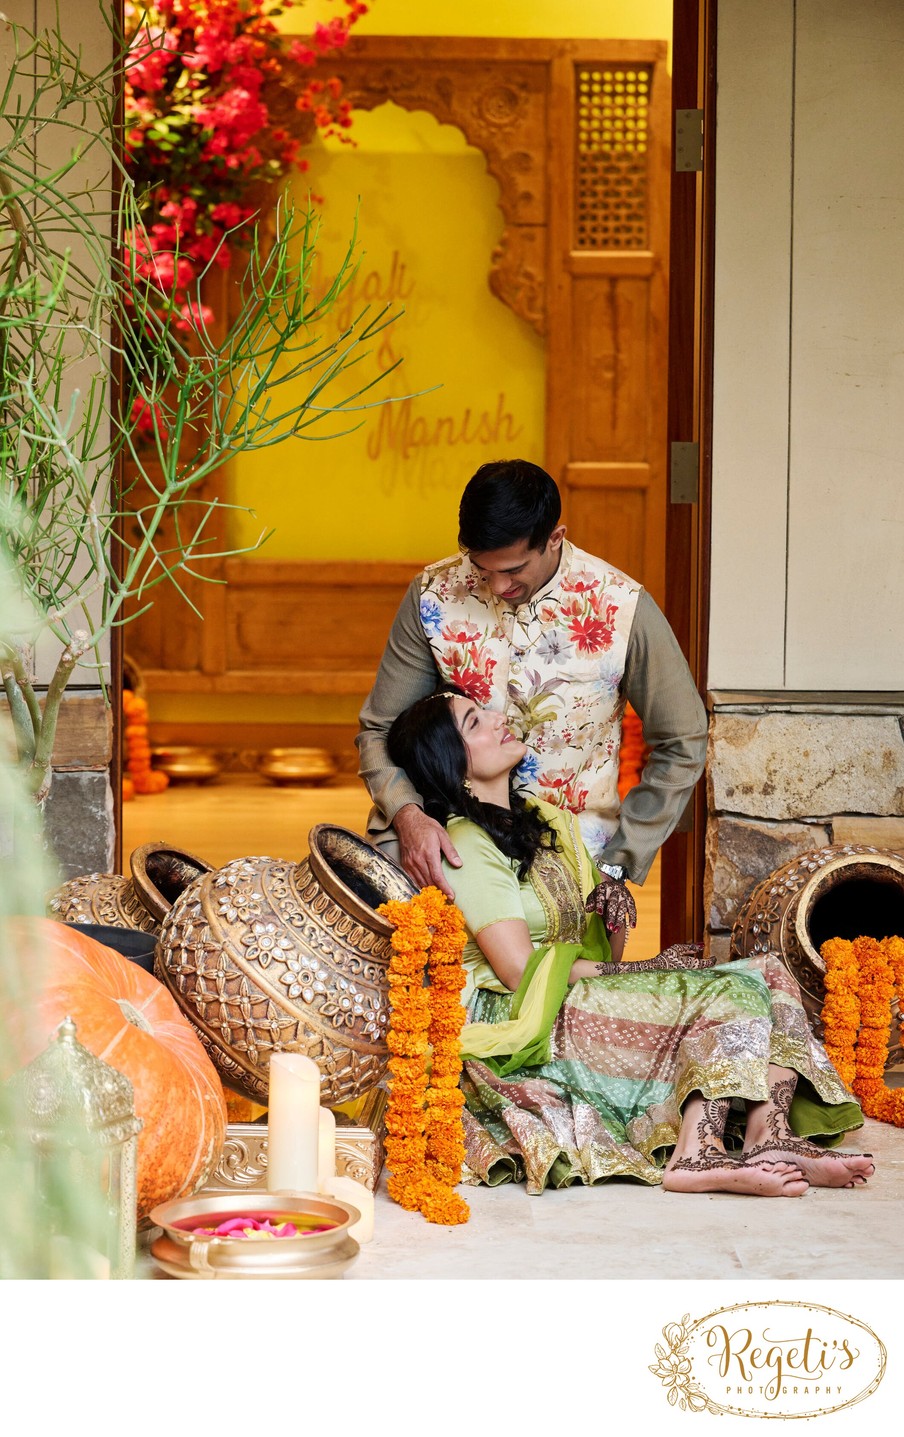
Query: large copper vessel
844,891
266,955
159,872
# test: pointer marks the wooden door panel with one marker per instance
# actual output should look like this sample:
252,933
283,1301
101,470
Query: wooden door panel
299,616
608,302
611,361
609,506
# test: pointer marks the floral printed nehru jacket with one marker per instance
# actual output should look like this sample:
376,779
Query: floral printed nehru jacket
553,666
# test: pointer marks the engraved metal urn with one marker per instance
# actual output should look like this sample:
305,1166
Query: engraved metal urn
267,956
159,872
843,891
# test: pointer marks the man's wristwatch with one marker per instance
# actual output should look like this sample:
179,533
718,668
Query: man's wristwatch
614,870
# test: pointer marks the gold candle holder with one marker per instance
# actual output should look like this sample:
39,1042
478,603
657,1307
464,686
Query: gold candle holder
360,1129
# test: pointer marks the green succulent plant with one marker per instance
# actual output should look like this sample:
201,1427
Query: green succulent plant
89,360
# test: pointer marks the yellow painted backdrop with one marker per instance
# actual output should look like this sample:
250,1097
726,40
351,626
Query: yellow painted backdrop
428,220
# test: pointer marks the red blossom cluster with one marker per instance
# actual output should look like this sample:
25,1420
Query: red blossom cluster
199,134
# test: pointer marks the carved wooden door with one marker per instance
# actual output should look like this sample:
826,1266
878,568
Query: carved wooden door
608,301
576,134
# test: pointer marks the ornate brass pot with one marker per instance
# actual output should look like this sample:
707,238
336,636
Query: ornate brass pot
266,956
844,891
159,873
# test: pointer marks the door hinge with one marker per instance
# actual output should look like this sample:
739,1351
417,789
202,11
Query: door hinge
688,140
684,468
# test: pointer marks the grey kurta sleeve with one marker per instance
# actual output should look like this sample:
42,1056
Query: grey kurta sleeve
659,686
407,673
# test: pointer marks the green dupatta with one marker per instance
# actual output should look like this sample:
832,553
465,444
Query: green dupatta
523,1040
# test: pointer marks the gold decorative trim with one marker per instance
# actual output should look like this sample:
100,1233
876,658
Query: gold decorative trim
359,1149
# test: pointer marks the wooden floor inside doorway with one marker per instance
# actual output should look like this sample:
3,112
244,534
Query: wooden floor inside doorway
242,815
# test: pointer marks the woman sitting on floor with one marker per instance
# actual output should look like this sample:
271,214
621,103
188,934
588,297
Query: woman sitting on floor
579,1069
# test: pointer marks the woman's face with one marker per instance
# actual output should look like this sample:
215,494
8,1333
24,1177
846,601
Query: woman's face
492,748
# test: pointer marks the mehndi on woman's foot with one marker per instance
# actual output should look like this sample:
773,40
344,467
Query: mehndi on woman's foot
822,1167
717,1172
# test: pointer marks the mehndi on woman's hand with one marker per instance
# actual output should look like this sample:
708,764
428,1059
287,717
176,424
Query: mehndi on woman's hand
680,956
615,905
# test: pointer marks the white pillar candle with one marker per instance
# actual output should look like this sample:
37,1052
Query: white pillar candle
293,1124
356,1195
326,1153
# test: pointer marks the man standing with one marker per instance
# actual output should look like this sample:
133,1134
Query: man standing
558,641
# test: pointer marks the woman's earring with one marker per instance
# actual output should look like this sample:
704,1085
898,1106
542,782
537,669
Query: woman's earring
466,785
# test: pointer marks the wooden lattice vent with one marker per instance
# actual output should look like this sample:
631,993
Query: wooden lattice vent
611,170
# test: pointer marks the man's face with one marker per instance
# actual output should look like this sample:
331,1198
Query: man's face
518,572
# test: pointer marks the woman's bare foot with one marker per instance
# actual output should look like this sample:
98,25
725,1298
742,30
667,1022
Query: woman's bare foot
756,1179
769,1139
822,1167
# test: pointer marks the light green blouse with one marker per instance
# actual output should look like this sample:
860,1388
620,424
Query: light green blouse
487,890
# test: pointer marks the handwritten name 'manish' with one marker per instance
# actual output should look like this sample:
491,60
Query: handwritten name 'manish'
399,430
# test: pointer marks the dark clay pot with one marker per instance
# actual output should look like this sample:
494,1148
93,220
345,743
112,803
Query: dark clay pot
131,943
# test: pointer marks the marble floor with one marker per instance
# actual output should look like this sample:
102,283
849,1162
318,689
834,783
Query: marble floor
616,1231
621,1230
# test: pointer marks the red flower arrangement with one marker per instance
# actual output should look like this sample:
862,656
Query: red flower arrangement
199,134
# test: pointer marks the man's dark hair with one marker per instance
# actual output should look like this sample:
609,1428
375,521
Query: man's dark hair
506,501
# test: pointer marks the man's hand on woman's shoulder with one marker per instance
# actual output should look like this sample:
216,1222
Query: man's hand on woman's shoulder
422,845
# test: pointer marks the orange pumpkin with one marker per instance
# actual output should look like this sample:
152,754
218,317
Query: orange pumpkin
128,1019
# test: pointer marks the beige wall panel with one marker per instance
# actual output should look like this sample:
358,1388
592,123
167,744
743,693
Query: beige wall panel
85,30
751,324
612,350
846,532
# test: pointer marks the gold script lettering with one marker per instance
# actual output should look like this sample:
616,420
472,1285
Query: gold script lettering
401,431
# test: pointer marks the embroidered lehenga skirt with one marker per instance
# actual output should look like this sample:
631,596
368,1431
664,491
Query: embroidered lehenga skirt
626,1052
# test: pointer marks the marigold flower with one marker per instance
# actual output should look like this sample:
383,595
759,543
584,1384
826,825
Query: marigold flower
862,980
425,1142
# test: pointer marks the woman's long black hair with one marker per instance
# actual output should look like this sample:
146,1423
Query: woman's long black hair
426,742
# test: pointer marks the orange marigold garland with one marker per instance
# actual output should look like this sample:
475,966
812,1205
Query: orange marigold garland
841,1008
861,980
424,1138
139,776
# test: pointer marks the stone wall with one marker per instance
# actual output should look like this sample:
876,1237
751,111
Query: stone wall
788,773
78,814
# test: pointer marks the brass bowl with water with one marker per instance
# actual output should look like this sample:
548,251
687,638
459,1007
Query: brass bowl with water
182,1251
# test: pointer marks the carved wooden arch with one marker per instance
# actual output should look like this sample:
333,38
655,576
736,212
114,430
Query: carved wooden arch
495,92
583,258
576,134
